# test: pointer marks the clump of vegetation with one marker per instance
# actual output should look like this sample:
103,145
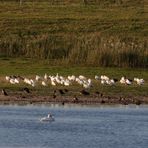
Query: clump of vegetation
84,32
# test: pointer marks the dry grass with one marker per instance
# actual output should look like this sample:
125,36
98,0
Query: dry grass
109,33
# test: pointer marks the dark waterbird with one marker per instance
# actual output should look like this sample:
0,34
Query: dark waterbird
26,90
99,94
115,80
84,92
61,92
65,90
54,94
138,102
75,99
63,103
4,92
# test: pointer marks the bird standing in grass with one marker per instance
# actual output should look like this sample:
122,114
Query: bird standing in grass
61,92
75,99
4,92
54,94
26,90
84,92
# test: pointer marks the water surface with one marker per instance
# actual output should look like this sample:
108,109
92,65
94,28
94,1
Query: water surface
74,126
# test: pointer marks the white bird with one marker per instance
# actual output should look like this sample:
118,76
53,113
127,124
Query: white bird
43,83
139,81
49,118
12,81
66,82
57,80
123,80
37,78
87,84
103,81
45,76
16,80
103,77
32,83
53,83
128,82
109,82
28,81
82,77
7,78
71,78
96,77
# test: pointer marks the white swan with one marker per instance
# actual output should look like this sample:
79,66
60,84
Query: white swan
49,118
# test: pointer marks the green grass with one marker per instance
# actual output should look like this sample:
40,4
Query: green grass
44,18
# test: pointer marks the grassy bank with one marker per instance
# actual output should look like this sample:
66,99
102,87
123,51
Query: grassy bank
29,68
92,33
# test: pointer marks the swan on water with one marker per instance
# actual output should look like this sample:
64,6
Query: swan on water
49,118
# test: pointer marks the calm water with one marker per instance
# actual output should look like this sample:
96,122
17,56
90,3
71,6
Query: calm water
74,127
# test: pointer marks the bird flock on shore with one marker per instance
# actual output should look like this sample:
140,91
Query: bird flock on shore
83,81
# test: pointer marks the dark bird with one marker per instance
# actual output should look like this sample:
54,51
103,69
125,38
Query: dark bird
108,97
138,102
20,77
61,92
115,80
130,80
101,95
75,99
66,90
54,94
97,92
4,92
63,103
14,77
102,101
84,92
26,90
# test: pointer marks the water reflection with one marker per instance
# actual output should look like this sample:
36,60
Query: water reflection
70,105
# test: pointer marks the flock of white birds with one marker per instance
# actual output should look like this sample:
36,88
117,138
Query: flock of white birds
57,79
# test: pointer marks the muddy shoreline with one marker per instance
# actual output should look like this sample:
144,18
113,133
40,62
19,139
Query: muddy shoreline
82,100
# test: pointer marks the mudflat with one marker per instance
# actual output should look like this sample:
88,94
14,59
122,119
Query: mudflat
92,99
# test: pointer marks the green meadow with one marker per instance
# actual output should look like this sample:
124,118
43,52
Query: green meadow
88,37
